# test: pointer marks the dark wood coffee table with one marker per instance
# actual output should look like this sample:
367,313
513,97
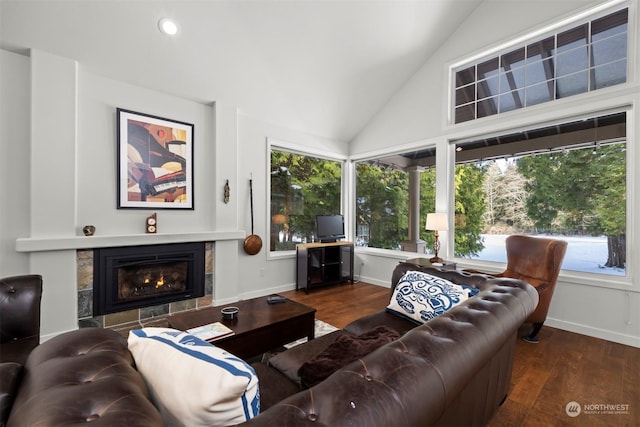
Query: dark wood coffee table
260,326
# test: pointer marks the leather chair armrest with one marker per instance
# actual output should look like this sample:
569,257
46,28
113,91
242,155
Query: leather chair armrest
20,299
10,374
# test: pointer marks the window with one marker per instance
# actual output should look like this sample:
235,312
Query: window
383,197
383,201
587,57
566,180
302,186
382,211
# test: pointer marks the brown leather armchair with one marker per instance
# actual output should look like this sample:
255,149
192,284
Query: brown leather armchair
537,261
20,298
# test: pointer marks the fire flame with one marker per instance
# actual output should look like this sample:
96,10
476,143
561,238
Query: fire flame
160,282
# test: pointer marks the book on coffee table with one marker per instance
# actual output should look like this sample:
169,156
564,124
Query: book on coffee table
212,331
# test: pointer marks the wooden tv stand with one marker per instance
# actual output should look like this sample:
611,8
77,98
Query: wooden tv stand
320,264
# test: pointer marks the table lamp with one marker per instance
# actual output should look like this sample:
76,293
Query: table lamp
436,222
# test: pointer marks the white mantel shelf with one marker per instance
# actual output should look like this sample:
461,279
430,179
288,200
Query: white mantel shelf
40,244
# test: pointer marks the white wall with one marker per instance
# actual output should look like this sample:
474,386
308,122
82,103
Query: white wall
604,307
98,99
14,160
53,105
261,274
59,153
68,176
418,110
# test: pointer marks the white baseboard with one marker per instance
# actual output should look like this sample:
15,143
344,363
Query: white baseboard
263,292
594,332
374,281
47,337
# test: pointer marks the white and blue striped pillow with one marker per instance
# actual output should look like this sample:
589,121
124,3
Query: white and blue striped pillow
192,382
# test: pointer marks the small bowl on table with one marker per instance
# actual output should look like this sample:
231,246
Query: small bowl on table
229,313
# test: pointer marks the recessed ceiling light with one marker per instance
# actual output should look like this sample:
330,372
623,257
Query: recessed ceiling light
168,27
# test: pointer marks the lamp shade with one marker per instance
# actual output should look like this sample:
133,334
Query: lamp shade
437,222
279,219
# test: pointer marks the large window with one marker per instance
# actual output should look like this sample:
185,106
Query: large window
567,180
584,58
382,202
302,186
383,199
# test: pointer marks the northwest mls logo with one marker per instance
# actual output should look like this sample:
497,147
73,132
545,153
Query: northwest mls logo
573,409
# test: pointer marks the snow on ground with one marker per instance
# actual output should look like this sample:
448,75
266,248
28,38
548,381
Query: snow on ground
586,254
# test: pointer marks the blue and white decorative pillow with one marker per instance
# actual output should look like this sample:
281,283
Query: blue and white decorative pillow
421,297
192,382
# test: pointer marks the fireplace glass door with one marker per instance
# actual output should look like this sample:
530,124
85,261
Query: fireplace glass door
157,278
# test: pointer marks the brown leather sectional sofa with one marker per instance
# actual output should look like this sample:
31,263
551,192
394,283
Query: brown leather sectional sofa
453,370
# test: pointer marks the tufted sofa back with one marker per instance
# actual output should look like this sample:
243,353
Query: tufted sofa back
87,377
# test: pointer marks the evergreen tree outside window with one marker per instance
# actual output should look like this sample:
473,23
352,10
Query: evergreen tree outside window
382,210
566,181
382,202
302,186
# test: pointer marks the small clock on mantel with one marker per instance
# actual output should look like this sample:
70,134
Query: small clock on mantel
152,224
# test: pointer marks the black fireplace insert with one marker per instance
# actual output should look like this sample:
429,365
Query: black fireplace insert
131,277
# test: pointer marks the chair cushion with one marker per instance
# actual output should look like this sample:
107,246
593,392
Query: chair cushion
420,296
289,362
193,382
344,350
278,388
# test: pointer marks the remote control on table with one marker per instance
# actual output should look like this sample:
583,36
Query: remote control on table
273,299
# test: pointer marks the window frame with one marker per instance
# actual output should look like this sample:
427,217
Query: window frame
548,142
434,144
625,282
554,30
622,97
280,145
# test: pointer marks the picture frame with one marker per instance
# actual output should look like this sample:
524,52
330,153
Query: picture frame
155,162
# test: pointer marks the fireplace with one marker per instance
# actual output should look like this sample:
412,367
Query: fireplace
131,277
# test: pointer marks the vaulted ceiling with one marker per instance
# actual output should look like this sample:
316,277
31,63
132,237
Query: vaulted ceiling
322,67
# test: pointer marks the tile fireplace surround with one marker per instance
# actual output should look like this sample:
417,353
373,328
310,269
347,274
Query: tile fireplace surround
131,319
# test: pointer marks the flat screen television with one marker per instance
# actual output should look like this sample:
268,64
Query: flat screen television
329,228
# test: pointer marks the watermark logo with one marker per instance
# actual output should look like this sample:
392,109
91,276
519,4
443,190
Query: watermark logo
573,409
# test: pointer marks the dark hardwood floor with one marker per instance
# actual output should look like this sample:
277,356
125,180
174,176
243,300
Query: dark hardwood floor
564,367
340,305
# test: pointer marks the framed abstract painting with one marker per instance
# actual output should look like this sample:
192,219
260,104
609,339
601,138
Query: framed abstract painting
155,162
